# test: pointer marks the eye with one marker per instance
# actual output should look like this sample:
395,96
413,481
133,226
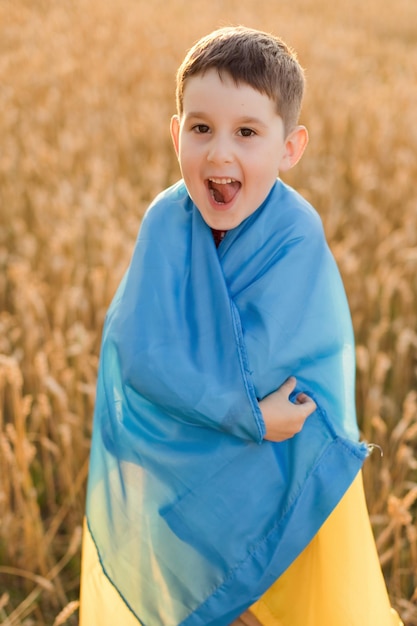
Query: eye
246,132
201,129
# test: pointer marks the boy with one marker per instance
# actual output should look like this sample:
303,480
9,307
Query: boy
209,488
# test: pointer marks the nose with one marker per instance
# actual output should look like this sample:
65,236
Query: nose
220,150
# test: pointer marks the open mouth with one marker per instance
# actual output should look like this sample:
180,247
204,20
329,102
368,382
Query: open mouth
223,190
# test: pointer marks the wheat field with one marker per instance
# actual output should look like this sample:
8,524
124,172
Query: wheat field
86,94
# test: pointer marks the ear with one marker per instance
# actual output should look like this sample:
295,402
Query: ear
175,132
295,144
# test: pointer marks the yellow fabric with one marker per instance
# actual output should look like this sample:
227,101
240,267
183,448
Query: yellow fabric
336,581
100,603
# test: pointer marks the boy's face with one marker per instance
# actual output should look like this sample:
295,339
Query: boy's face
230,144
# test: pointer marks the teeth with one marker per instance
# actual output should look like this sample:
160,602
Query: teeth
222,181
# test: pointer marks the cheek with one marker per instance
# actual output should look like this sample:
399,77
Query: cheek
187,166
273,166
266,169
189,170
183,156
188,153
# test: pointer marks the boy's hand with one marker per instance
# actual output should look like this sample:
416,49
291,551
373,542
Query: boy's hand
283,418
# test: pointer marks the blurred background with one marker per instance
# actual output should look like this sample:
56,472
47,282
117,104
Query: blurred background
86,95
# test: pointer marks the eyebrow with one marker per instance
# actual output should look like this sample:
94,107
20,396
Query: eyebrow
252,120
243,121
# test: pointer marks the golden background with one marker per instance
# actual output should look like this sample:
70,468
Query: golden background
86,94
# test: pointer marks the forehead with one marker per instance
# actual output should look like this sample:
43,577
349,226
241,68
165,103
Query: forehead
214,90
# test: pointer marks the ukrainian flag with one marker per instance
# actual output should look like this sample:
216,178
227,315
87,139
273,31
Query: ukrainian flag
192,517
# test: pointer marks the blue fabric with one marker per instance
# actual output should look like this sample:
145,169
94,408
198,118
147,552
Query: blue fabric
194,515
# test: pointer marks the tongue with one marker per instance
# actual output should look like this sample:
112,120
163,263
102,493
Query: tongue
224,193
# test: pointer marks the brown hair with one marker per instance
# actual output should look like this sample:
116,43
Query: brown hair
250,56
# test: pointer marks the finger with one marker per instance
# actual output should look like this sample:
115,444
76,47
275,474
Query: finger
289,385
307,403
302,398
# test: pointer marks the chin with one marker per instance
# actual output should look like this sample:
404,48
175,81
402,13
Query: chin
223,224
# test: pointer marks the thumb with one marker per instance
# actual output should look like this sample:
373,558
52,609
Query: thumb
289,385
